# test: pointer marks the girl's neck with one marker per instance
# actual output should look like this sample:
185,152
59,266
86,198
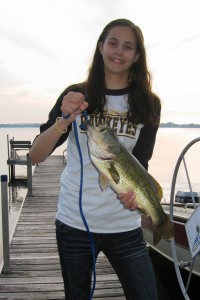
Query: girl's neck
115,82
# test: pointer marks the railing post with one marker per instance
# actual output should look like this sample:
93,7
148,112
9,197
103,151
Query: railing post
5,224
29,175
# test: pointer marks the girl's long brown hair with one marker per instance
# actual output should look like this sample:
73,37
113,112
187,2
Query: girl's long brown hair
144,105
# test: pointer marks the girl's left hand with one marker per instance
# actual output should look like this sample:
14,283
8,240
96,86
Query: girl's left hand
128,200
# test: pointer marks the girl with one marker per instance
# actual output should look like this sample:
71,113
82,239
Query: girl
117,91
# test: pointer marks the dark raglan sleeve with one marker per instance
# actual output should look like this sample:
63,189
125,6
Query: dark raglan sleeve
143,149
53,115
56,112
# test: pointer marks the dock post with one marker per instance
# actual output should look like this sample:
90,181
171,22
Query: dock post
11,167
8,147
29,176
5,224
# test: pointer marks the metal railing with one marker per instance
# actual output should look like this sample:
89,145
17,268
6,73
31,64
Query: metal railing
184,286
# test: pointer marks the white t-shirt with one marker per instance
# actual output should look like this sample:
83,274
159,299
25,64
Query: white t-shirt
103,211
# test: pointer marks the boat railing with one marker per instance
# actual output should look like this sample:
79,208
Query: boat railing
190,263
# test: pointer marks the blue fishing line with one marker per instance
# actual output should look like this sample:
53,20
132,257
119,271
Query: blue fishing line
80,200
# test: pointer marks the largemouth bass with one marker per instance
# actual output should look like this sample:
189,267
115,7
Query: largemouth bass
120,170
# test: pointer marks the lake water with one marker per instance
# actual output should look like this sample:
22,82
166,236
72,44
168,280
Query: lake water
169,144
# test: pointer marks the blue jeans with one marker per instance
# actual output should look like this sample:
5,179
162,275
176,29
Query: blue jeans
126,251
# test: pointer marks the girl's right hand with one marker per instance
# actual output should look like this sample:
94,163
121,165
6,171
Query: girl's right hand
73,104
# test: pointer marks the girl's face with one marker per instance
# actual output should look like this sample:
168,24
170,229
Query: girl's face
119,51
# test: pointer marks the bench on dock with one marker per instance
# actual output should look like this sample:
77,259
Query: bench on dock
16,159
18,145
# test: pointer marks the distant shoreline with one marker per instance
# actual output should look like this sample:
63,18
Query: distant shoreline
37,125
20,125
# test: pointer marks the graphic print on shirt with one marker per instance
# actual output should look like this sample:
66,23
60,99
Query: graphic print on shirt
115,120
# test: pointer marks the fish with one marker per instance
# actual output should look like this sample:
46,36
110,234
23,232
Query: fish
119,169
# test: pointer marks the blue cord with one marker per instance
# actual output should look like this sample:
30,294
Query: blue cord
80,201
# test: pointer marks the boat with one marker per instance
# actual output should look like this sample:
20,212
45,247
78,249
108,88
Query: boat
184,212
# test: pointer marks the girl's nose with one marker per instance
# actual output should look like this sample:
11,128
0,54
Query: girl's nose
119,49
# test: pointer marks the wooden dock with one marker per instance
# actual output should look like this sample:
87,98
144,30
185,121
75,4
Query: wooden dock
35,264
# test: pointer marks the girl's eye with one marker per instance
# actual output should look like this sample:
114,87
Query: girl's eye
128,47
112,43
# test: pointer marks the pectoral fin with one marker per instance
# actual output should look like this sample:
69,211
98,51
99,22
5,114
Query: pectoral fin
103,180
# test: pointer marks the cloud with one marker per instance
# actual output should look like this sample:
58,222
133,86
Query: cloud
8,79
22,41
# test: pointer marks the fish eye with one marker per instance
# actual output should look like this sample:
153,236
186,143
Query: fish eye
112,131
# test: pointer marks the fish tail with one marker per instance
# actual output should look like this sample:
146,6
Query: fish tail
164,231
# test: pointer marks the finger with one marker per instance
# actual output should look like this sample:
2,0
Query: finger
75,97
125,196
121,195
83,105
134,205
128,200
73,103
130,203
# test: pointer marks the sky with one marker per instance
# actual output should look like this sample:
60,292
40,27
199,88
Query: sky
46,45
